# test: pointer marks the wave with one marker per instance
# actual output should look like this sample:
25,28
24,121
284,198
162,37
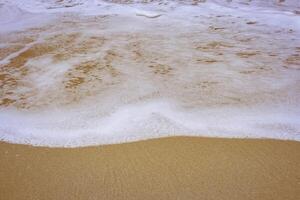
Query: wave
107,72
63,128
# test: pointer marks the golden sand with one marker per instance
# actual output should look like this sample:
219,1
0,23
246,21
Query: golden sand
167,168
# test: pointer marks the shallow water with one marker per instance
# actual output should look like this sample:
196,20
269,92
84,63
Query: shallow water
123,72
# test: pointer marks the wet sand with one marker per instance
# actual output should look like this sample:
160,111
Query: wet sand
167,168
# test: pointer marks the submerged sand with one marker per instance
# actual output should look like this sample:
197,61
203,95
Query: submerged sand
166,168
117,74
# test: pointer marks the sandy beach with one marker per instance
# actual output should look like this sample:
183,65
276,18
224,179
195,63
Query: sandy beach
167,168
133,99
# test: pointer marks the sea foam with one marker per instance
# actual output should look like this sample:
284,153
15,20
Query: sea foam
101,73
143,121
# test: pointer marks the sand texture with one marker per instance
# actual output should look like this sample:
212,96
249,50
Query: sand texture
167,168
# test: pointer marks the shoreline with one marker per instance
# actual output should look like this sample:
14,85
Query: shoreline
164,168
138,140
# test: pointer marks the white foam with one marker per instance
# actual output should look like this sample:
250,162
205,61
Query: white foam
13,18
49,73
121,113
148,14
143,121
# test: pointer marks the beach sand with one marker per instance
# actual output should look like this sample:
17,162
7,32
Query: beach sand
166,168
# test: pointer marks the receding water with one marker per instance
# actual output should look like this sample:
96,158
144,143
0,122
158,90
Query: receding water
123,72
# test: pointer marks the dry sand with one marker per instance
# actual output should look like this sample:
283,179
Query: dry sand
167,168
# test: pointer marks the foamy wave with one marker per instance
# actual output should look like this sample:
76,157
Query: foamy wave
111,71
144,121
